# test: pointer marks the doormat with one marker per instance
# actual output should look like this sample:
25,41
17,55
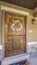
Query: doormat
26,62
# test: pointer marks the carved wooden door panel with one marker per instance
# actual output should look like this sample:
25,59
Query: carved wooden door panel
15,32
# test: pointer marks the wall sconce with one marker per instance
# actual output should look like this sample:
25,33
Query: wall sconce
33,21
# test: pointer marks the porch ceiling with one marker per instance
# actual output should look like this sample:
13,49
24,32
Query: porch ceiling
30,4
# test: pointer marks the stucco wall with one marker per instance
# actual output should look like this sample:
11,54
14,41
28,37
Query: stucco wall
32,30
0,25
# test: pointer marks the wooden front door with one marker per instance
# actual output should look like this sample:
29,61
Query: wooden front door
15,34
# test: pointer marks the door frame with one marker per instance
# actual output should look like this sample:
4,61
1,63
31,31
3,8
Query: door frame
3,19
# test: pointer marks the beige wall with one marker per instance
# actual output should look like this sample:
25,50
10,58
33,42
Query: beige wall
32,30
0,25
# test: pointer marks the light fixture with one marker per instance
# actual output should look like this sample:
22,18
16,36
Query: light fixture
33,21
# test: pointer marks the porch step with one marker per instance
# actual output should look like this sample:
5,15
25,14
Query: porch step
15,59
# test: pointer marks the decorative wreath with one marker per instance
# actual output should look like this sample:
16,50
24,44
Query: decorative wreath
16,25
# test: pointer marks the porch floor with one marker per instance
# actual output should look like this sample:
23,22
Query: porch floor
33,60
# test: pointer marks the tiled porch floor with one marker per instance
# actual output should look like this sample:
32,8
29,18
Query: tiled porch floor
33,60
